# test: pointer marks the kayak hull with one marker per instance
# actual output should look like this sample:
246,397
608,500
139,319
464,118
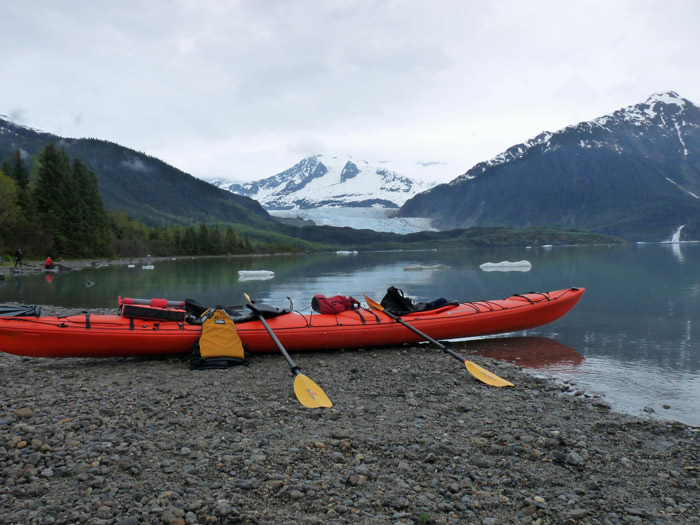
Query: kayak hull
120,336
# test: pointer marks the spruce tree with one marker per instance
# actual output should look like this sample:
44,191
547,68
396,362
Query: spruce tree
52,197
6,167
203,240
20,173
9,215
92,222
69,205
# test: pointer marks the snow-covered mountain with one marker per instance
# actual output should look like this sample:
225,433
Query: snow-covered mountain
634,173
665,112
335,181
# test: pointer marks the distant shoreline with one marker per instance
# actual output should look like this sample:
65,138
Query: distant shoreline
37,266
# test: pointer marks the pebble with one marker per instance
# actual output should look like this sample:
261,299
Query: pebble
411,438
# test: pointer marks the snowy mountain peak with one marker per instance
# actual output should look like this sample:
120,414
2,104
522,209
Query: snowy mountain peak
666,97
665,112
654,111
333,180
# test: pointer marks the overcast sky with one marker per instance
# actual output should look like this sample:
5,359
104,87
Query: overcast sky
244,89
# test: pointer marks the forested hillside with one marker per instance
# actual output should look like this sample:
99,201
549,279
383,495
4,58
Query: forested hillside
146,188
60,212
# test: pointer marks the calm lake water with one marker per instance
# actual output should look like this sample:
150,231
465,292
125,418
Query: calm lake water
634,336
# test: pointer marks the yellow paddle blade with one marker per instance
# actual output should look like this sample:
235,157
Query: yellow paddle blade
309,393
373,304
485,376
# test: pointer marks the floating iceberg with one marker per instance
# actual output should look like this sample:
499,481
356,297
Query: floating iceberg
255,275
148,267
426,267
507,266
346,252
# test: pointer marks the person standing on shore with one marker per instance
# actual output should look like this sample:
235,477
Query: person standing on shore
18,258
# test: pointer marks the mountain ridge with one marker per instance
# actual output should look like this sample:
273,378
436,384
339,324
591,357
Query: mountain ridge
147,188
633,173
331,180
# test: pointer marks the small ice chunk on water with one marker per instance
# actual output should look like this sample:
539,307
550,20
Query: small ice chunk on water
507,266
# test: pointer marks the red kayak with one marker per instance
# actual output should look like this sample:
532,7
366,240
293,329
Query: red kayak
124,336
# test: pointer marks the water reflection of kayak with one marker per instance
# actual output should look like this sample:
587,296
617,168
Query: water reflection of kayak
530,352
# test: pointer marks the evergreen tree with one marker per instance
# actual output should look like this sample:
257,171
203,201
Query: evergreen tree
6,167
20,173
230,241
69,206
203,240
52,197
92,222
189,241
10,215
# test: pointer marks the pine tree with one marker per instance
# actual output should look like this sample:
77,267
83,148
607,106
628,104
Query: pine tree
19,172
92,222
230,241
6,167
189,241
69,205
203,240
52,197
9,214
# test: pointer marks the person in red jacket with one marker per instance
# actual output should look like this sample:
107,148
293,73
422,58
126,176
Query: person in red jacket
48,264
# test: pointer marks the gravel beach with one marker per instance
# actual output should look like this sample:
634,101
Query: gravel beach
411,438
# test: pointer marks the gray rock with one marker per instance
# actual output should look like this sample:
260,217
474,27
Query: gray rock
139,441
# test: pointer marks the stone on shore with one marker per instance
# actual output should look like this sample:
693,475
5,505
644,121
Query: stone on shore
411,438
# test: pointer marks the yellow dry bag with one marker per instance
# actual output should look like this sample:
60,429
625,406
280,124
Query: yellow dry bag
219,346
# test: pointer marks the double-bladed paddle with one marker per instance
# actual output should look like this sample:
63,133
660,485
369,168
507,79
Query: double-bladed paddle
480,373
308,393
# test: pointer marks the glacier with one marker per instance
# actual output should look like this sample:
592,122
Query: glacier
369,218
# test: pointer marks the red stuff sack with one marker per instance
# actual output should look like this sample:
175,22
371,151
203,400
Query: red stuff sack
333,305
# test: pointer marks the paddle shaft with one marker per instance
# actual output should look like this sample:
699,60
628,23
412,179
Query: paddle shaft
425,336
295,368
477,371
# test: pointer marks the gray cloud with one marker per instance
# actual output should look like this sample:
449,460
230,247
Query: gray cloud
223,88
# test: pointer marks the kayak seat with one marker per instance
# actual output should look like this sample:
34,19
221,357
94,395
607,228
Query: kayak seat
239,314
